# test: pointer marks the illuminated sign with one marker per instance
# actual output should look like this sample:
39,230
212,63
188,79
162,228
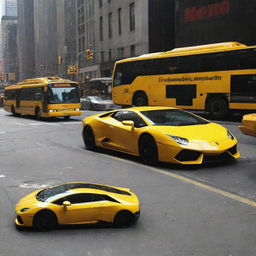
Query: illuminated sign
206,11
61,85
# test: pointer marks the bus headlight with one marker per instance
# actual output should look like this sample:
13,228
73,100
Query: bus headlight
52,110
77,109
180,140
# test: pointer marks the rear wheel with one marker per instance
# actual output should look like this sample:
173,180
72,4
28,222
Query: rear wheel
217,107
89,138
45,220
140,99
148,150
124,219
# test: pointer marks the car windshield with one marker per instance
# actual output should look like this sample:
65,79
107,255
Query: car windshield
43,195
58,95
173,117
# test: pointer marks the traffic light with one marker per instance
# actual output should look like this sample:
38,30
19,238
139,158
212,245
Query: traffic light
89,54
59,60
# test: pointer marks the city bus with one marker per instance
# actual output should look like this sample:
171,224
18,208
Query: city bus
218,78
43,97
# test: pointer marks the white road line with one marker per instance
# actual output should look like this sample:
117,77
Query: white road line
35,123
20,124
2,132
2,176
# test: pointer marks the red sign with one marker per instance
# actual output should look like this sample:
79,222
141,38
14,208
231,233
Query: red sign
206,11
61,85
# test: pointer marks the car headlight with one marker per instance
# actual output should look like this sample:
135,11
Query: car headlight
24,209
77,109
230,135
180,140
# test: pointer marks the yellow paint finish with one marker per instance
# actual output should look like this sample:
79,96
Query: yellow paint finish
209,139
80,213
248,126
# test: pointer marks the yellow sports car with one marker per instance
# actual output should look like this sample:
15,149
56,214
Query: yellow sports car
248,126
160,134
77,203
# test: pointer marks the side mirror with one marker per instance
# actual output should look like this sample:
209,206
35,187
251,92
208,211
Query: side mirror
128,123
66,203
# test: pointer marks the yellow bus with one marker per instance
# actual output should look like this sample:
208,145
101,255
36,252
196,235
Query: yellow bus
43,97
217,78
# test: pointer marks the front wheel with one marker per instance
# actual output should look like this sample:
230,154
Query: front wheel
123,219
45,220
38,113
218,108
148,150
89,138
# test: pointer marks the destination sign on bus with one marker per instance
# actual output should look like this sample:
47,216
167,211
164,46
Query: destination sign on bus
61,85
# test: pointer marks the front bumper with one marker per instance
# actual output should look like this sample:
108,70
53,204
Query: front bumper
197,155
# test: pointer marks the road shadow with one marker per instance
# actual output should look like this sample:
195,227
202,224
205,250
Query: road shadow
46,120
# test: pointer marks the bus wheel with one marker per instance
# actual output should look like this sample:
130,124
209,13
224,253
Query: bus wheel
218,108
66,117
38,113
13,110
140,99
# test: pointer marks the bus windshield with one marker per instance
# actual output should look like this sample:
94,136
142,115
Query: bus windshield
58,95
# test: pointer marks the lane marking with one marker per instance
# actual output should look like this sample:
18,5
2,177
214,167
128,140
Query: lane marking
36,186
20,124
2,176
2,132
194,182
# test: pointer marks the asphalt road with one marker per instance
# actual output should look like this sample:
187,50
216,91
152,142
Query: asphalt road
204,211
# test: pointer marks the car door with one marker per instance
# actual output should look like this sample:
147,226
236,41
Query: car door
82,209
124,135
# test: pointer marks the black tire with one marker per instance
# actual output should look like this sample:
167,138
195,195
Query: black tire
140,99
89,138
38,113
13,110
66,117
124,219
45,220
217,107
148,150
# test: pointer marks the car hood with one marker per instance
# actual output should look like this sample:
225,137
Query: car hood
28,201
196,133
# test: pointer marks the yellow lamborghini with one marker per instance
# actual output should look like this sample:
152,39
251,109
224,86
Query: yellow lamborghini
160,134
77,203
248,126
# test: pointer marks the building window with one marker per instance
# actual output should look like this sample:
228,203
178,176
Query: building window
109,54
110,25
120,52
119,21
102,56
101,28
83,43
132,16
132,50
100,3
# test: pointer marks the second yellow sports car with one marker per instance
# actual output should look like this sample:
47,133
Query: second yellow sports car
160,134
77,203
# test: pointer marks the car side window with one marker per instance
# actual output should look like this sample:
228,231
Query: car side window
75,199
129,115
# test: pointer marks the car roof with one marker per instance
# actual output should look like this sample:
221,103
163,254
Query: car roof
148,108
85,187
